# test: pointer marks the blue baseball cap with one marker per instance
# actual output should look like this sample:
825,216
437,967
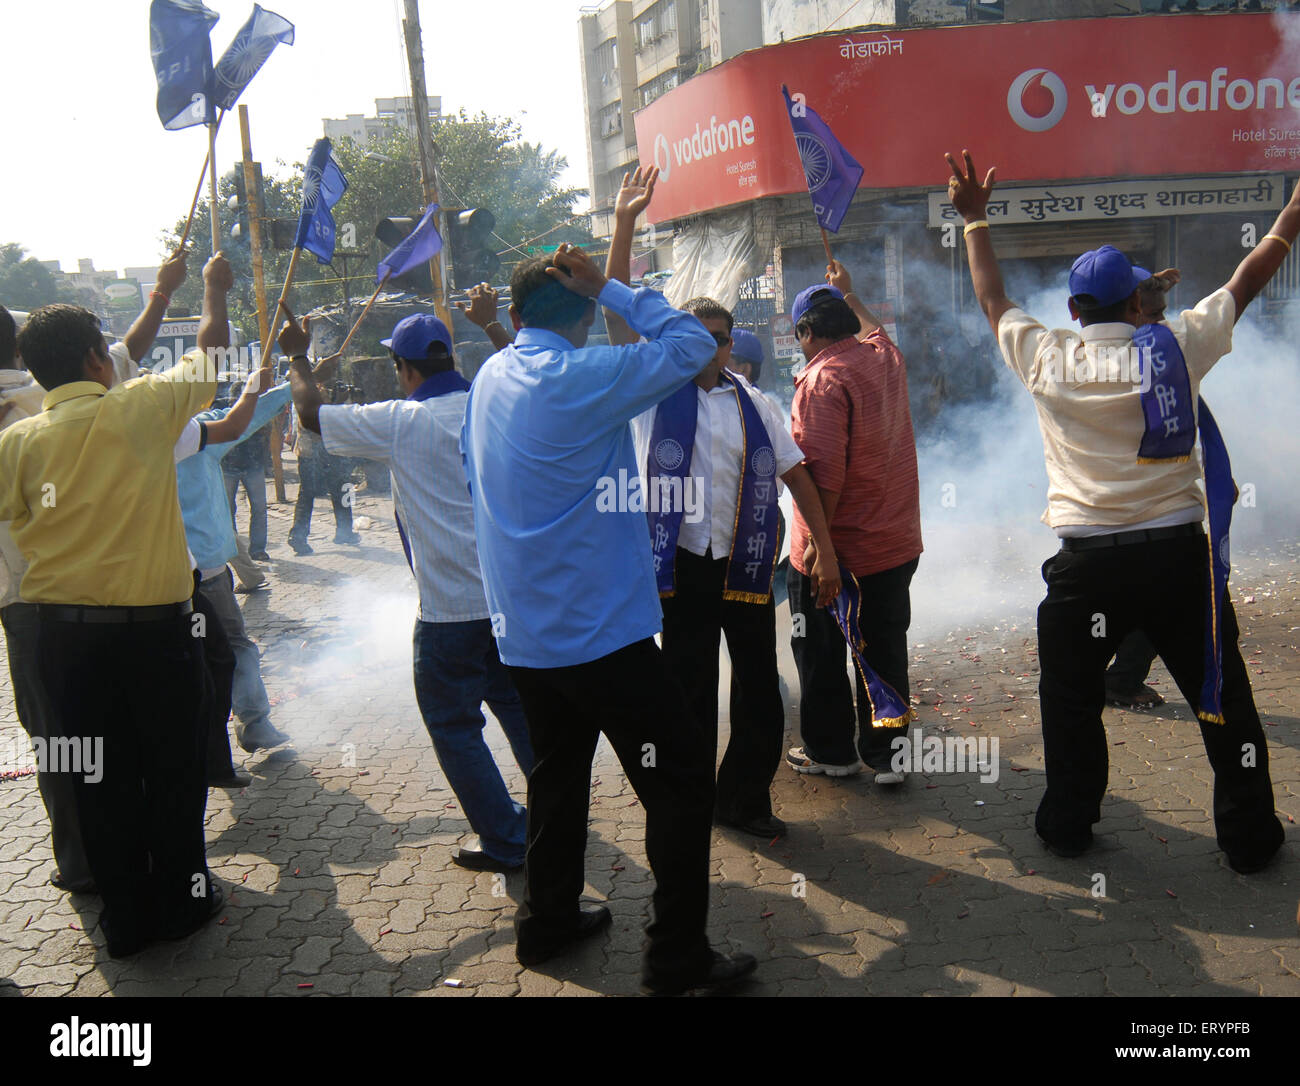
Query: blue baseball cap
809,296
746,347
415,334
1106,274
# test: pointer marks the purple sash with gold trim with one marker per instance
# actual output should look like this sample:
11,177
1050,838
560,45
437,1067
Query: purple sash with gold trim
888,710
1171,428
753,548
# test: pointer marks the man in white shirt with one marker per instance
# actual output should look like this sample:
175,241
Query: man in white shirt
456,663
1128,507
729,521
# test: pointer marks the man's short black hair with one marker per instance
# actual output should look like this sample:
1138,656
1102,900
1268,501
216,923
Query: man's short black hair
707,309
8,339
437,360
540,301
829,318
1092,313
54,342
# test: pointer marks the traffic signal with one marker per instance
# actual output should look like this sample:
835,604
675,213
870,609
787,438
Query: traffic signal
392,232
473,254
238,203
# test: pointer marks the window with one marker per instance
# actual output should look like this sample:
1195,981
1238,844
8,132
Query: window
611,120
659,85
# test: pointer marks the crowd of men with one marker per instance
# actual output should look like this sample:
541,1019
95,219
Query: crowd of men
544,580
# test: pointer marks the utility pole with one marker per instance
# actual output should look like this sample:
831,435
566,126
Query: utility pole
252,188
428,150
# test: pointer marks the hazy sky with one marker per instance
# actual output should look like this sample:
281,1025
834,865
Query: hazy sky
90,171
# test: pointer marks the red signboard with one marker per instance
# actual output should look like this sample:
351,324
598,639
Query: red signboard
1126,96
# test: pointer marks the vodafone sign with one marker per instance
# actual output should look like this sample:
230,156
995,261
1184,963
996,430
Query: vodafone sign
1130,96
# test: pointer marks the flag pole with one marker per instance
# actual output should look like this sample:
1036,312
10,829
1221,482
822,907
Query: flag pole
826,244
214,214
198,189
370,303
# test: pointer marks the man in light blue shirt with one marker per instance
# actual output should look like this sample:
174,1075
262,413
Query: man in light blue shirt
570,582
210,533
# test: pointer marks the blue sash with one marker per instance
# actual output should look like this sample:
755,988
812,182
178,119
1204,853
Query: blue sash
1170,433
752,553
440,384
888,710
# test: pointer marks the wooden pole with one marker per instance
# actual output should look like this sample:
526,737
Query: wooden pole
288,283
826,244
214,215
198,189
259,284
370,303
428,151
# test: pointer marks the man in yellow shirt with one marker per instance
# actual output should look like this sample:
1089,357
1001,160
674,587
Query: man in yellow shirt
90,487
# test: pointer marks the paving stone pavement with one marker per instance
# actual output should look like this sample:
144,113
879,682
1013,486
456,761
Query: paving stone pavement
337,858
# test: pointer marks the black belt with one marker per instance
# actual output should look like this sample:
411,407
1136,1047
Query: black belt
1120,539
161,613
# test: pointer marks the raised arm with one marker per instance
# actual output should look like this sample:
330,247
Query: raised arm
970,201
633,198
1263,261
214,324
482,310
837,275
233,424
294,341
139,338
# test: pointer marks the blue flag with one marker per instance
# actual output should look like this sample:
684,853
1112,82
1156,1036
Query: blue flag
323,185
182,61
832,173
420,246
245,56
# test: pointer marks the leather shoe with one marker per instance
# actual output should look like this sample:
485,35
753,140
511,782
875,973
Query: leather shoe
477,860
216,902
60,883
590,921
724,970
237,779
767,827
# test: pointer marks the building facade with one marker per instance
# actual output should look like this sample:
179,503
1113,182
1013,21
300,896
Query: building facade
390,113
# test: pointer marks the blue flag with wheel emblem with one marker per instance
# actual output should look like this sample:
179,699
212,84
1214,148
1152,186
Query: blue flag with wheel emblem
323,185
181,51
833,175
245,56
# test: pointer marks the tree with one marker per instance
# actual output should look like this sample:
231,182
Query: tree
26,283
482,163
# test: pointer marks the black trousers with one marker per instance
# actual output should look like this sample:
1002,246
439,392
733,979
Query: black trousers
826,716
1133,660
631,697
219,675
694,620
137,688
1094,599
36,716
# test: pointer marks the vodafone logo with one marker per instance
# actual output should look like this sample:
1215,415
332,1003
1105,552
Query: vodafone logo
1037,100
663,156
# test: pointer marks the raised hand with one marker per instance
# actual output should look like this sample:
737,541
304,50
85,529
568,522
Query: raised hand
837,275
218,274
172,274
634,197
294,338
969,198
482,307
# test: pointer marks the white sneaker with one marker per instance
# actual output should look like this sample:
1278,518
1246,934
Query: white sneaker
797,760
891,776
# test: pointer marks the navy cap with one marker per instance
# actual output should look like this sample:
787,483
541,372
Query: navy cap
746,347
808,297
413,336
1106,274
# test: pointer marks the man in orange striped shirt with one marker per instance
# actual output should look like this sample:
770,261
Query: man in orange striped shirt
851,419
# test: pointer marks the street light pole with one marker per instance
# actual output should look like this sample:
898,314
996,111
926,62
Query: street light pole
428,149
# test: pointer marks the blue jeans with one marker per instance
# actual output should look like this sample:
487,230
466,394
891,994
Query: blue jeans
254,480
248,696
457,669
